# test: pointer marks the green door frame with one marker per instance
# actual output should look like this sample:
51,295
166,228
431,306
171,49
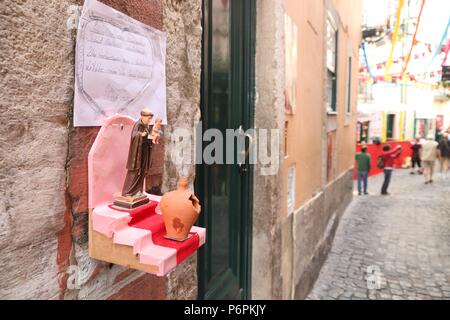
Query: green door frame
390,126
242,85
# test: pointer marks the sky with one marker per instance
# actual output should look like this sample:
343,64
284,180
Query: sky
432,26
434,18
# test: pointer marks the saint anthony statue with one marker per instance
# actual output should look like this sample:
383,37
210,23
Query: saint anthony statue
138,164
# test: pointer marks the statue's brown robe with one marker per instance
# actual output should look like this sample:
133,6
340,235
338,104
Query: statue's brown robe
139,160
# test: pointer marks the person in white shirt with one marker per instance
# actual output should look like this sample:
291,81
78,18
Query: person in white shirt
429,154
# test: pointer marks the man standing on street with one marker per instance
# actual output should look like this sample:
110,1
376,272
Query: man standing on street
429,155
444,152
388,156
415,158
363,167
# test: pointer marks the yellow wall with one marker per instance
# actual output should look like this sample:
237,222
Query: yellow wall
305,128
383,127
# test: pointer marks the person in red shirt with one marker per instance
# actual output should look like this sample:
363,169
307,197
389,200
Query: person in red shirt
389,155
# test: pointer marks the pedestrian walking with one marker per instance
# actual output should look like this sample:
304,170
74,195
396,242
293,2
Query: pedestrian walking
415,157
388,158
429,155
444,154
363,168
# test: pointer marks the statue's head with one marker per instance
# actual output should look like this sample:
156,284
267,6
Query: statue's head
146,116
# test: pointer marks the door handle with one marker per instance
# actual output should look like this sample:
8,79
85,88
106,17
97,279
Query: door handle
244,153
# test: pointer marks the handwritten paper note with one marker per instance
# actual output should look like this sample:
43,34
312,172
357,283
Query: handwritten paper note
119,67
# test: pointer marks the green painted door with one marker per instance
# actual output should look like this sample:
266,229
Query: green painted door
390,126
225,189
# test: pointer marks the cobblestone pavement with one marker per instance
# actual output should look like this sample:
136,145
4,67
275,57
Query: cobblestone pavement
395,247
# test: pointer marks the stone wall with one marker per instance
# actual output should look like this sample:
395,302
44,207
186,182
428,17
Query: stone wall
43,171
269,114
182,21
314,226
36,67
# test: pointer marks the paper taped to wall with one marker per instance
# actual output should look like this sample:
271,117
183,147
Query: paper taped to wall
119,66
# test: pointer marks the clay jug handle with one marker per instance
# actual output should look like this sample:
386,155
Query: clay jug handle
195,203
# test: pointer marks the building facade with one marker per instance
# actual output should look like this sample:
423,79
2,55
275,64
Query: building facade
423,111
268,229
320,136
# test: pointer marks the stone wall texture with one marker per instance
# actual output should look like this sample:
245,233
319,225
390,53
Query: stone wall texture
43,159
36,67
269,114
314,227
182,22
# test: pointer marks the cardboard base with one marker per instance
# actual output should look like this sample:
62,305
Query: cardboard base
178,240
102,248
136,239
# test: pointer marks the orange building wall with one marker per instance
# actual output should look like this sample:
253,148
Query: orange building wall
305,128
349,40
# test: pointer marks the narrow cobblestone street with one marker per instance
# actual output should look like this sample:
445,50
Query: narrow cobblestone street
395,247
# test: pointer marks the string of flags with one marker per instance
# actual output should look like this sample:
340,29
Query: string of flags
411,77
408,58
400,75
394,36
444,61
382,65
440,47
395,76
402,80
367,68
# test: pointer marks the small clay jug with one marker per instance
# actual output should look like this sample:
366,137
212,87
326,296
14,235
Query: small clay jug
180,209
